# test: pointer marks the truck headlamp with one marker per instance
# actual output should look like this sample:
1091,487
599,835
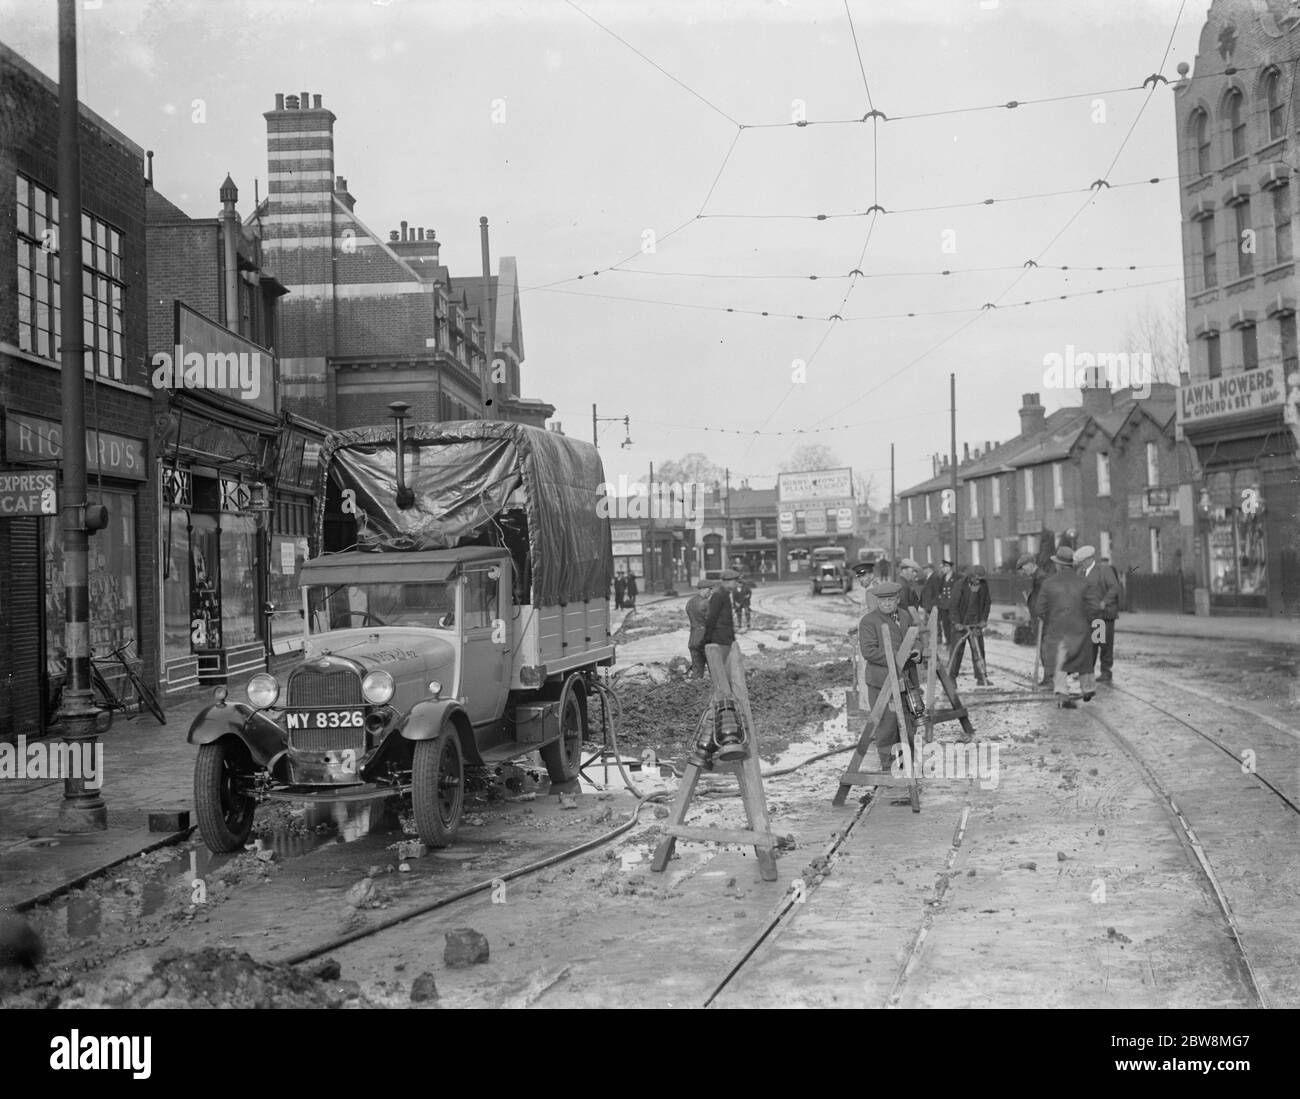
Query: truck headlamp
435,688
377,688
263,689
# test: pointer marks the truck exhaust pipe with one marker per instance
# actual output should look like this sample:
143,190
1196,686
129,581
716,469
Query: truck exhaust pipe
405,496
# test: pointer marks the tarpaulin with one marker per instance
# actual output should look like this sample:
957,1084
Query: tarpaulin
467,477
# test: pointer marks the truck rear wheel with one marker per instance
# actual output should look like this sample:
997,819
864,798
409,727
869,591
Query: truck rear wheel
225,812
438,787
563,757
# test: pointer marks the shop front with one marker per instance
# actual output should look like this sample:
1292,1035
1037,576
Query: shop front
33,591
1248,496
218,453
292,493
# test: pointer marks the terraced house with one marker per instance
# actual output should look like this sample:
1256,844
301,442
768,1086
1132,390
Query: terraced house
1108,472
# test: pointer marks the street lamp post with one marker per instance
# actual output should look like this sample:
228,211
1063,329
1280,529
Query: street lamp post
82,810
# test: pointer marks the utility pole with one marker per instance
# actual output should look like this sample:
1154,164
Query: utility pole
956,496
726,522
893,517
650,557
488,409
82,810
593,427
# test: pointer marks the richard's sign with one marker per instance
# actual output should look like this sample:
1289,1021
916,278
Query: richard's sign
1235,395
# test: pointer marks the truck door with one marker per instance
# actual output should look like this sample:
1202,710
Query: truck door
486,644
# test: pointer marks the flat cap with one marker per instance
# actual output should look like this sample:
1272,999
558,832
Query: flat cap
976,572
1084,552
704,583
886,588
908,563
730,574
1025,559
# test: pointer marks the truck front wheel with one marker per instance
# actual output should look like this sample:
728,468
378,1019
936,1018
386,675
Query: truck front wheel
225,812
563,757
438,787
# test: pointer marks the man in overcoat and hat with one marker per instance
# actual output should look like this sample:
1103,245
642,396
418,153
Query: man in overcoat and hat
1067,634
898,621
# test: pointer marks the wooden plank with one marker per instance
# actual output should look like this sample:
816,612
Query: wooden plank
905,729
749,776
930,719
685,791
872,778
720,835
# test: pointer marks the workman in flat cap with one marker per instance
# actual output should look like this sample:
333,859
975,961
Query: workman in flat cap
1027,566
897,620
719,636
697,609
970,616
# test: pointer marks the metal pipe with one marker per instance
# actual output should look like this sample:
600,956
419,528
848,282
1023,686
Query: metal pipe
486,405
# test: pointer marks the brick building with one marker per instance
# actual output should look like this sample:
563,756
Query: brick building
373,318
123,598
1109,470
1240,410
236,489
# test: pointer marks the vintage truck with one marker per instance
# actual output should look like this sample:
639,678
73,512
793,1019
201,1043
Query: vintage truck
456,613
830,569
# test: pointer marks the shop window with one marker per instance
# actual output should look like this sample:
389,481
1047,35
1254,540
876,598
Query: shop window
114,614
1238,552
240,611
176,586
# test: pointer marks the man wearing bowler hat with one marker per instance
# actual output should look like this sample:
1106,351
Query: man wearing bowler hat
1067,635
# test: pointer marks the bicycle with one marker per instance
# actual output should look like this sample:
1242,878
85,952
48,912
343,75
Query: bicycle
104,694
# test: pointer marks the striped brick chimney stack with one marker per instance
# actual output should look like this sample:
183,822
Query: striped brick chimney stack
299,222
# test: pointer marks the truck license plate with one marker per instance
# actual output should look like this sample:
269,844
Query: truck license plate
326,719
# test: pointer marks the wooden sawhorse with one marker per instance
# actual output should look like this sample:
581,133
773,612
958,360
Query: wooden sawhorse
892,694
728,682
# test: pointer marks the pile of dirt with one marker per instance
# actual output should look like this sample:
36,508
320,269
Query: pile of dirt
785,694
214,977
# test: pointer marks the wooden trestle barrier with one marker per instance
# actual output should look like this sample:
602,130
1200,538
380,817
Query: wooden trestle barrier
728,683
892,694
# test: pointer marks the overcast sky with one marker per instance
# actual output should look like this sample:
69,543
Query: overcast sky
598,146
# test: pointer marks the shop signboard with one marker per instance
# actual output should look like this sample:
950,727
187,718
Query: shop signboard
33,492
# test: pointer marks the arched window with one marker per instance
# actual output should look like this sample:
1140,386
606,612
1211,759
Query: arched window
1236,112
1201,137
1273,95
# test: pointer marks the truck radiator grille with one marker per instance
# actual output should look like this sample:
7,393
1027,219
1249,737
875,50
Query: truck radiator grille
327,740
324,687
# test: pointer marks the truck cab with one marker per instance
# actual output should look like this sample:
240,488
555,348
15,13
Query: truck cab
830,571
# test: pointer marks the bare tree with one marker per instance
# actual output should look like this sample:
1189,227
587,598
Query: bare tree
693,468
810,456
1159,327
864,488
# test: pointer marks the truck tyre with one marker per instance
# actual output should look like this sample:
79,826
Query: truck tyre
563,757
225,813
438,787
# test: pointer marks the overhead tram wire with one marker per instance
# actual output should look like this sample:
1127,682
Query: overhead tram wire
874,115
1014,282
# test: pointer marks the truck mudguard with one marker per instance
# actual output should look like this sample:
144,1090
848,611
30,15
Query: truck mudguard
262,735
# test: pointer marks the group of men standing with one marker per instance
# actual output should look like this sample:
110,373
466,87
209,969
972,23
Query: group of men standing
1074,611
625,590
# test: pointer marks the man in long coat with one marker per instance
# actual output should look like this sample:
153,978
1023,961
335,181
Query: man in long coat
877,672
1101,601
1027,566
1067,636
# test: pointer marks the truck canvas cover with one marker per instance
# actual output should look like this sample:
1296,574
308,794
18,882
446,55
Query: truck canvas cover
473,480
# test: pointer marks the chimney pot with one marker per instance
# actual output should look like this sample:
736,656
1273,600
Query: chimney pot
316,102
279,101
966,452
987,448
420,233
291,103
305,99
404,237
393,234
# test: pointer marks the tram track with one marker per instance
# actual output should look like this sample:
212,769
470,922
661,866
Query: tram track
1177,819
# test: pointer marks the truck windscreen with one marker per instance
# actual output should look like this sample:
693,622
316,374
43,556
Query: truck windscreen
353,606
